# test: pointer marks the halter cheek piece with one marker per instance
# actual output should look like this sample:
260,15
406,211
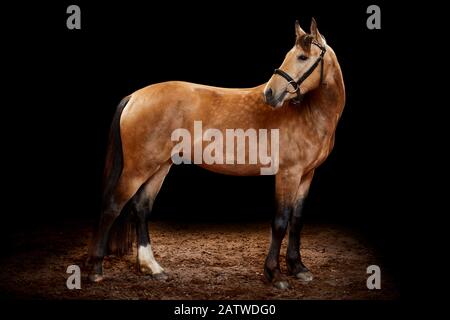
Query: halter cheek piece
296,84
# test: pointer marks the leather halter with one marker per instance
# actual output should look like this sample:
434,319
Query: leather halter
296,84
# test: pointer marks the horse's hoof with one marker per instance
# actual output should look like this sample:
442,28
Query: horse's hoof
157,276
282,285
95,277
145,270
305,276
162,276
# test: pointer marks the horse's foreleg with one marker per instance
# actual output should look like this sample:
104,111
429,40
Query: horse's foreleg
143,206
293,257
286,187
294,262
272,266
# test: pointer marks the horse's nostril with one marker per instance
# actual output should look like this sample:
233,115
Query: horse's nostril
268,94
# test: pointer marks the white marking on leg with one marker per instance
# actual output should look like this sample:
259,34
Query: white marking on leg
146,258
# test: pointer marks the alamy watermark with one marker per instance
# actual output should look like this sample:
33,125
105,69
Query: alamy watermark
374,280
374,20
74,19
74,280
234,146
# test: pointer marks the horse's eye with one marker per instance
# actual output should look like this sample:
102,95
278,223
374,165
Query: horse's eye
302,57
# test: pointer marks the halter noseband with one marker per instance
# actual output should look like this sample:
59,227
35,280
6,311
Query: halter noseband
296,84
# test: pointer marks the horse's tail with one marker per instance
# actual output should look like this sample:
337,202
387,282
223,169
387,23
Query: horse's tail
122,232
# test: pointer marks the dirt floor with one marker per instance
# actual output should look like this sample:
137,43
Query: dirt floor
204,261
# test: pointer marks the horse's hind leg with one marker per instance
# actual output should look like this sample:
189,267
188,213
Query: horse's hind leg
123,192
143,205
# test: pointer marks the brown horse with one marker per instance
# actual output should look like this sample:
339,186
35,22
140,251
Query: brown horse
303,100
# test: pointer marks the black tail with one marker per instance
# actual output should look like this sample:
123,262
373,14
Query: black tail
122,232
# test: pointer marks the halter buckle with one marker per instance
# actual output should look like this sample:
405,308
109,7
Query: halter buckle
294,85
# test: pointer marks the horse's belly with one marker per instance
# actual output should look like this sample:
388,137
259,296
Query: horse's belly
234,169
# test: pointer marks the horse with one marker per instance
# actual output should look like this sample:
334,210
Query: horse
304,99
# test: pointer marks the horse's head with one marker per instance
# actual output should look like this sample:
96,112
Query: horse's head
302,69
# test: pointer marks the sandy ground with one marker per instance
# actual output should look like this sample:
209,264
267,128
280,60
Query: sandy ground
204,261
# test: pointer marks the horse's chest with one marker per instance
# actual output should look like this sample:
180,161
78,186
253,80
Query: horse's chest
308,153
322,152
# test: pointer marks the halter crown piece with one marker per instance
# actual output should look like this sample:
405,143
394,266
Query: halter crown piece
296,84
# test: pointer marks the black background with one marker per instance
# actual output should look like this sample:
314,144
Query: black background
65,86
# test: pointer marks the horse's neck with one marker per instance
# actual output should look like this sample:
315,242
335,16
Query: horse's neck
324,105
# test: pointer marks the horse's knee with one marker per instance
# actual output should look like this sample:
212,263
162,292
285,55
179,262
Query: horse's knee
280,224
281,220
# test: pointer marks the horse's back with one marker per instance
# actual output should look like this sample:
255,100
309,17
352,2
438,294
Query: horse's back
192,101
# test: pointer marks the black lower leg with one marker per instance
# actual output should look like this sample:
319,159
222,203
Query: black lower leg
293,256
142,207
143,238
279,226
99,244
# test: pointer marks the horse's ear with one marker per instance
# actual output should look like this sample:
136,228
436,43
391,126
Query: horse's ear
315,32
298,30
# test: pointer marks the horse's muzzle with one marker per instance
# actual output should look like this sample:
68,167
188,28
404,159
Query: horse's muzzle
271,100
